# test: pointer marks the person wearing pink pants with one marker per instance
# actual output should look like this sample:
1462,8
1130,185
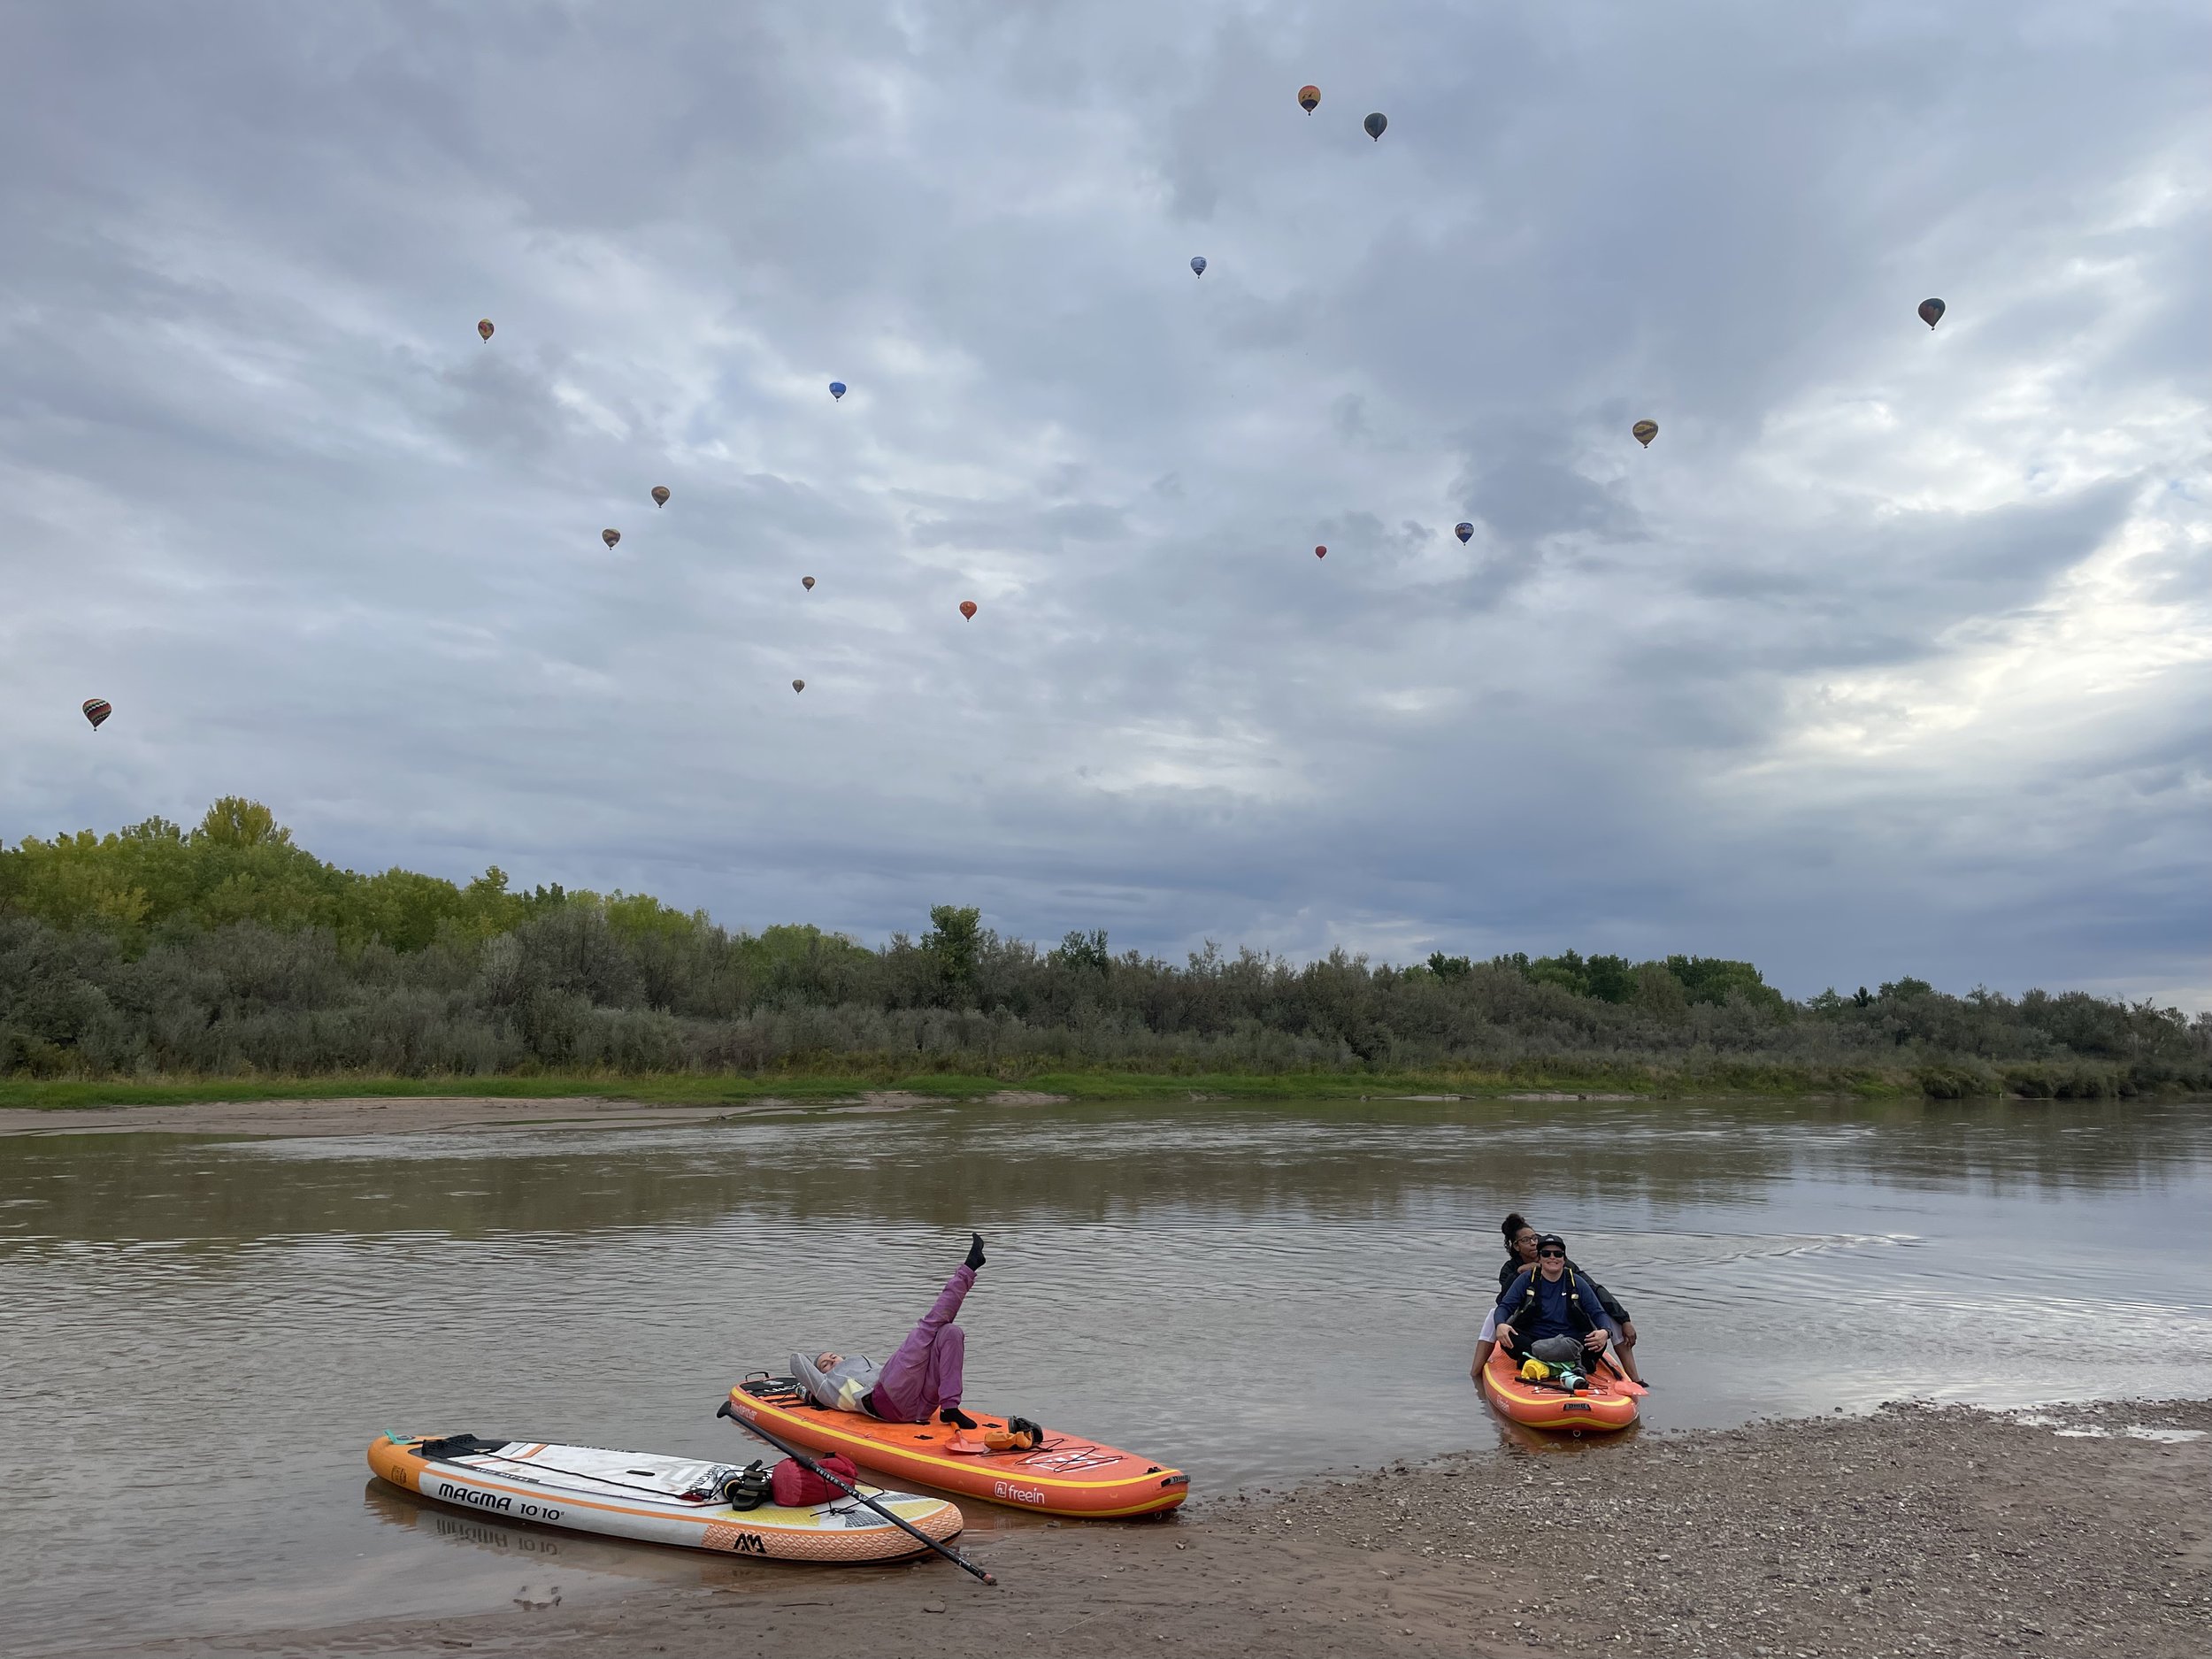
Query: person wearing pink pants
923,1380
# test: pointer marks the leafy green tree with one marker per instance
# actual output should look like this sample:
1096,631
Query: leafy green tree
1086,951
954,941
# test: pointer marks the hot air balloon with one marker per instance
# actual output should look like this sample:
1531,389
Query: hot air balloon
807,582
660,495
1644,432
1463,531
610,537
1931,312
967,609
97,709
1375,124
798,685
1308,97
1321,552
484,328
1198,264
837,388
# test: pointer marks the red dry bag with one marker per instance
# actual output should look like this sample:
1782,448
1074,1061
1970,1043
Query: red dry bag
797,1488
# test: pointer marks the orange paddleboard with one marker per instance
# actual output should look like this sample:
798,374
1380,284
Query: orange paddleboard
1608,1403
1067,1475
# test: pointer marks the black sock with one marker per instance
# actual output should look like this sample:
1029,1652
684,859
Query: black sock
975,1251
955,1415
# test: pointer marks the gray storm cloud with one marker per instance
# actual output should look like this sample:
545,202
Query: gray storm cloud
1891,655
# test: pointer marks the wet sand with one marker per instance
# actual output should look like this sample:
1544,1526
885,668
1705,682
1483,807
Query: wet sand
397,1115
1916,1531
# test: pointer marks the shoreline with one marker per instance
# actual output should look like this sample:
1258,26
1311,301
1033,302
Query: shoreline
292,1106
677,1089
1916,1530
437,1114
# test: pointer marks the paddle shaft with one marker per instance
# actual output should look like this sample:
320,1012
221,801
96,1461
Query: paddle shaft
830,1475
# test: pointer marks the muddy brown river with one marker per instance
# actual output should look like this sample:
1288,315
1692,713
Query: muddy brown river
198,1337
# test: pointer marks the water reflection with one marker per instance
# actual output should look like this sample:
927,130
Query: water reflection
1254,1292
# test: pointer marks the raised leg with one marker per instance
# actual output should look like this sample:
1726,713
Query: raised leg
906,1392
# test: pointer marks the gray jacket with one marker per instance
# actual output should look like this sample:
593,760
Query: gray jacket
841,1388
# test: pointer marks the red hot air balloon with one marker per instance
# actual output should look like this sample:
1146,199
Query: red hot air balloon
610,537
1309,98
1321,552
967,609
807,582
798,685
97,709
660,495
484,328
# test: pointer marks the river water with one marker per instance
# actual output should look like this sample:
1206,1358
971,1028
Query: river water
198,1338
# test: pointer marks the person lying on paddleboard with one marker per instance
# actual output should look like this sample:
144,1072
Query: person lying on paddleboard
1551,1313
922,1379
1520,1254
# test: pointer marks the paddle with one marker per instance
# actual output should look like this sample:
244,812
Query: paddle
830,1475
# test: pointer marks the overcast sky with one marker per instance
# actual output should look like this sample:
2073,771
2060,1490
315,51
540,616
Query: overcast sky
1892,655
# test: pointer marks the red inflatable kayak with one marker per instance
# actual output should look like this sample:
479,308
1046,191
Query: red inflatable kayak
1608,1403
1066,1475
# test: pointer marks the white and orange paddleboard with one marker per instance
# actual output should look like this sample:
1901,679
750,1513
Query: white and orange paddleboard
649,1497
1065,1475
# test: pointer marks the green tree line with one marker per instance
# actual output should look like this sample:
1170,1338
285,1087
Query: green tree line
228,950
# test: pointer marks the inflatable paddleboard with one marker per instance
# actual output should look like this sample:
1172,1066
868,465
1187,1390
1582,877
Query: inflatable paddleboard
1608,1403
652,1498
1066,1475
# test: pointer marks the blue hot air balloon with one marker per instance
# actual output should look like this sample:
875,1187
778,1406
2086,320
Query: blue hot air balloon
1198,264
837,388
1463,531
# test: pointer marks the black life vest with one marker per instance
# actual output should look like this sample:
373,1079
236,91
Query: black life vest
1577,1315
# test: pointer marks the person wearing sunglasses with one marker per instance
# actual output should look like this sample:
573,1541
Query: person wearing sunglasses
1520,1256
1550,1312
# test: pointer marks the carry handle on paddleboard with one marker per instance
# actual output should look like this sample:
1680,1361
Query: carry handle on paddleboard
837,1481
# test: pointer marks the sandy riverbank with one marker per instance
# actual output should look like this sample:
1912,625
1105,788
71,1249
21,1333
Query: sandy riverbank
1914,1531
435,1114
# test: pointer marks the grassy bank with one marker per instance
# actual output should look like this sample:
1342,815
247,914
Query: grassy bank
1097,1084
